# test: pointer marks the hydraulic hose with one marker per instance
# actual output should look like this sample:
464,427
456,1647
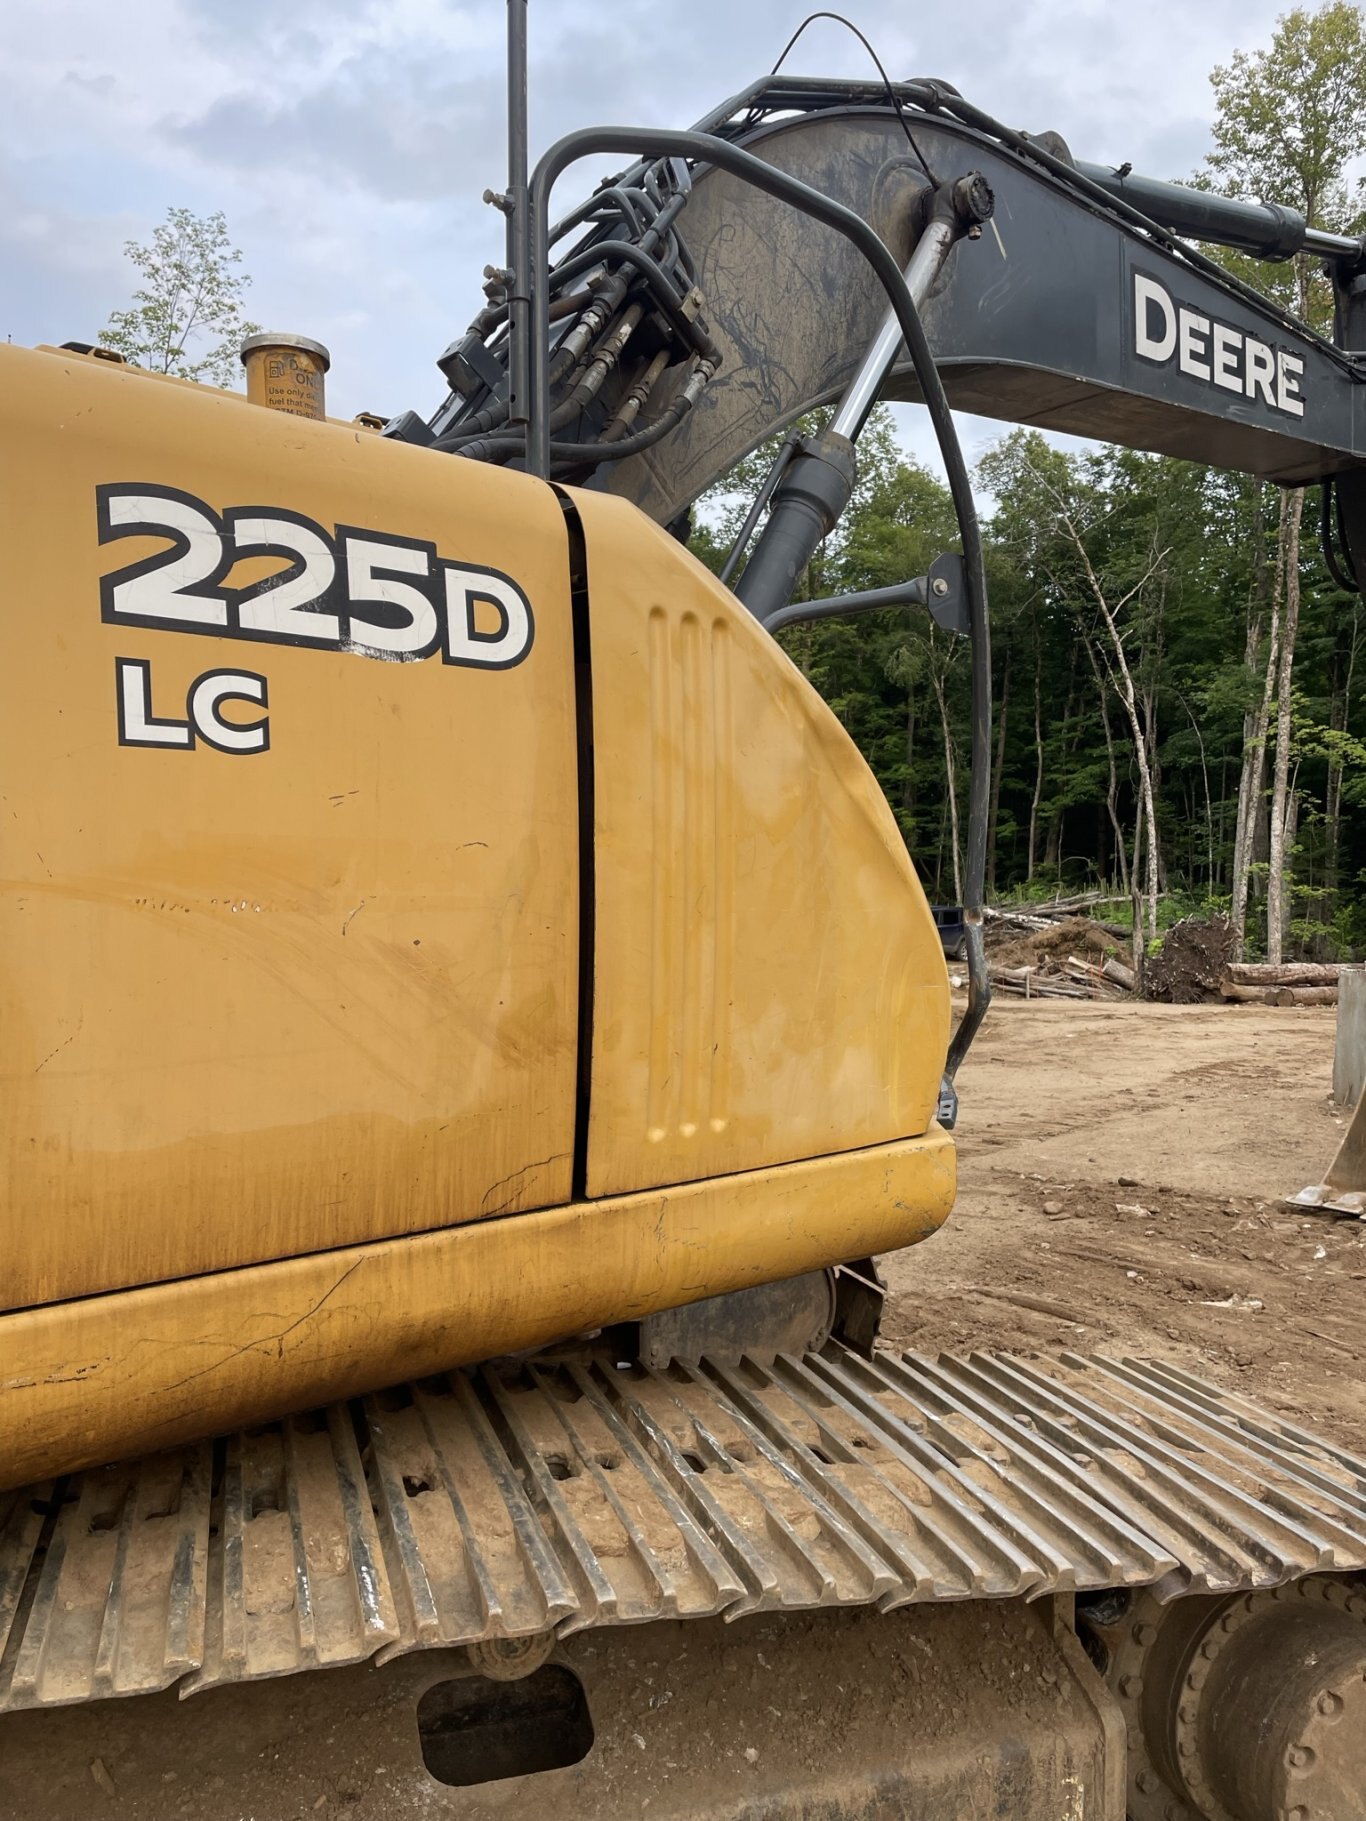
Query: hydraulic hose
689,330
510,443
636,399
1339,566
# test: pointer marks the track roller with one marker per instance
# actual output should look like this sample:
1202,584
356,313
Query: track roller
1242,1708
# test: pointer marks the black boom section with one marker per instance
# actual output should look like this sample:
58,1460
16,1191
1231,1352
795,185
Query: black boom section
1062,315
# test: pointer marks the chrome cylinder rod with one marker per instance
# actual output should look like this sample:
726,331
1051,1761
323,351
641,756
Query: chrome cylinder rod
861,394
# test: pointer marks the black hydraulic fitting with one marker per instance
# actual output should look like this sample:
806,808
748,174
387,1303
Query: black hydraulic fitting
973,199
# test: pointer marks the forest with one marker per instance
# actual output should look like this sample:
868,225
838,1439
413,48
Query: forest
1179,718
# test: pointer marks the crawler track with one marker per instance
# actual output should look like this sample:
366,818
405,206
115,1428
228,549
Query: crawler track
550,1497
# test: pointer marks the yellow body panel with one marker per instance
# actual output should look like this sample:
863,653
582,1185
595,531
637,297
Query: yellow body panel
290,935
259,1004
151,1367
768,982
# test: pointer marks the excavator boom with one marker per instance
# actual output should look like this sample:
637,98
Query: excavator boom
1077,308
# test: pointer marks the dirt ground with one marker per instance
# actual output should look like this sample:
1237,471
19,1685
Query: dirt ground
1121,1169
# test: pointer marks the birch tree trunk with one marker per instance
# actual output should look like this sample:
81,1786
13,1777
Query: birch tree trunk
1139,947
998,766
1292,815
1252,774
1112,780
1117,663
1122,677
951,778
1038,761
1151,668
1277,882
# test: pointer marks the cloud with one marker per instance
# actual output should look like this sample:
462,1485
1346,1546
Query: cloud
419,147
348,141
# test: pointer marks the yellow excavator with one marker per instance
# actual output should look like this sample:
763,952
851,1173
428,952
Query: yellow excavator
472,1023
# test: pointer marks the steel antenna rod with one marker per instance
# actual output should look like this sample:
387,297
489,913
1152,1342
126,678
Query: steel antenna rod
519,220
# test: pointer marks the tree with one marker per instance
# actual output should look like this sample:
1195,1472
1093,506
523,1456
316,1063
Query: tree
1289,120
1263,605
1074,524
187,316
1161,631
1120,761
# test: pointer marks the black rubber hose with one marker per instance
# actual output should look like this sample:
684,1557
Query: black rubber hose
1341,578
514,443
687,328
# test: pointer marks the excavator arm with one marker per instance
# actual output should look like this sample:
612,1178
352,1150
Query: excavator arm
1079,305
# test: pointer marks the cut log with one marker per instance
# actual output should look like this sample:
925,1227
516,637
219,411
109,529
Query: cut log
1028,982
1094,981
1015,919
1116,971
1071,979
1255,995
1278,995
1284,973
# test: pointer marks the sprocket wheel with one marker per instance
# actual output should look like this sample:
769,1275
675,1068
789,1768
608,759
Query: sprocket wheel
1245,1707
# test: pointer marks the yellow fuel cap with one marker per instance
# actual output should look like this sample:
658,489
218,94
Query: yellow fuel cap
286,373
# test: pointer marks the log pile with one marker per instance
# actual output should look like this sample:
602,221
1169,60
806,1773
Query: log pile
1070,978
1281,983
1061,950
1040,916
1056,951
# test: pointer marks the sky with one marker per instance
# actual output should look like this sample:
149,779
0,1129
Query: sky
348,142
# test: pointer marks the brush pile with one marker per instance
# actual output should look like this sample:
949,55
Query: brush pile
1195,955
1049,952
1053,951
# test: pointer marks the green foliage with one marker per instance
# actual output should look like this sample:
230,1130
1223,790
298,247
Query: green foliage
1290,119
1183,559
186,317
